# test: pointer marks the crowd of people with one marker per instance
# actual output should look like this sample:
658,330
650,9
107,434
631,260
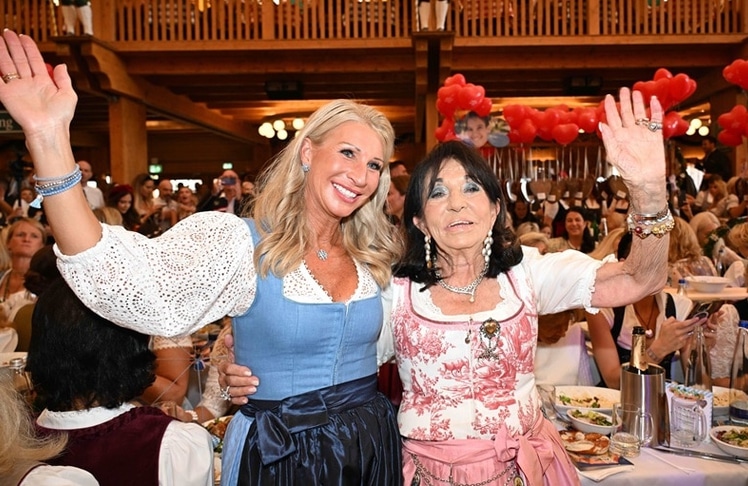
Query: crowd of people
339,268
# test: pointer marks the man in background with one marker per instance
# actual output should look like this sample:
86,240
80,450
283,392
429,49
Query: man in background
715,162
93,194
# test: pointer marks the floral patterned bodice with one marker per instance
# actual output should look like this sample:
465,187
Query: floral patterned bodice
463,380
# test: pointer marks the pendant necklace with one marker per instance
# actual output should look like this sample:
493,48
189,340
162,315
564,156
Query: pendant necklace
647,331
468,289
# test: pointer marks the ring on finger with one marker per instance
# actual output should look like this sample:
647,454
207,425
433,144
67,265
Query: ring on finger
11,76
225,393
642,121
654,126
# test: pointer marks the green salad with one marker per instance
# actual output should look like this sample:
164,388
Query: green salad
591,417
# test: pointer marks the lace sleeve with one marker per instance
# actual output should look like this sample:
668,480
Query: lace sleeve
211,398
195,273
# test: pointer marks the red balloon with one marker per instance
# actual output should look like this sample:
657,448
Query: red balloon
662,73
515,114
565,133
681,87
456,79
587,119
735,120
446,101
485,108
514,136
470,96
673,125
527,131
445,131
737,73
730,139
549,119
662,91
742,69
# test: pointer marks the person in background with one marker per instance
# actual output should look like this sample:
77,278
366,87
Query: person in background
685,256
225,195
715,162
24,238
309,268
663,316
23,452
424,14
397,168
168,203
73,10
609,244
521,213
147,207
93,194
576,236
87,371
41,273
396,198
561,340
186,203
537,240
120,197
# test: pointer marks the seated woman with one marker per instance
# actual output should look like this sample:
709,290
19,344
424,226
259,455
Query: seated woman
22,452
662,315
86,372
24,238
685,257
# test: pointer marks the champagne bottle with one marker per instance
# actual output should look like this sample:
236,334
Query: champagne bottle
739,377
639,363
699,369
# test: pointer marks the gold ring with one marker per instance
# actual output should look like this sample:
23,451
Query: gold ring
11,76
642,121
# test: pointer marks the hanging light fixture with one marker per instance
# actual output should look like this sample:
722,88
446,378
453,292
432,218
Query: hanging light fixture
297,123
279,125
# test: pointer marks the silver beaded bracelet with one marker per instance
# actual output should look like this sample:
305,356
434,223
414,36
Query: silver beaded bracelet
657,224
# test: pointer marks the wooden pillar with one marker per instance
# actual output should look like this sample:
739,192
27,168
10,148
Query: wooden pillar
128,139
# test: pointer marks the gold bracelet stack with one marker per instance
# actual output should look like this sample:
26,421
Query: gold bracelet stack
658,224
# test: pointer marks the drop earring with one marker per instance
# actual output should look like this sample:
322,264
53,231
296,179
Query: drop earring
487,244
304,168
427,248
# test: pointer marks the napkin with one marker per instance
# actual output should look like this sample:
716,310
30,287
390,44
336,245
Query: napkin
598,474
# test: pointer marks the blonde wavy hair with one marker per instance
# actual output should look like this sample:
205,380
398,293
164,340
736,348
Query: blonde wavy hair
683,242
280,212
609,244
19,440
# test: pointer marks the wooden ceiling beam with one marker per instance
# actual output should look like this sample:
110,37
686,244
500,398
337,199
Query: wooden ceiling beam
105,72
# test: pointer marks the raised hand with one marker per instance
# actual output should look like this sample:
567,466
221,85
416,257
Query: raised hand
40,104
634,143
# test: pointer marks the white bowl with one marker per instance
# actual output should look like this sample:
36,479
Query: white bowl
586,421
733,450
586,398
707,284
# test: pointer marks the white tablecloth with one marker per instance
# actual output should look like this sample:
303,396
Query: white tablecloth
654,468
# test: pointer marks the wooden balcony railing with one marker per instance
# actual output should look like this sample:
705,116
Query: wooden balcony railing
135,21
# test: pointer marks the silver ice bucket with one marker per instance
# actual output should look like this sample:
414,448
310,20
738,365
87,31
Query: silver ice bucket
648,393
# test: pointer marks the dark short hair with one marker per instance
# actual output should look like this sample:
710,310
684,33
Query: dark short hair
505,252
77,358
42,271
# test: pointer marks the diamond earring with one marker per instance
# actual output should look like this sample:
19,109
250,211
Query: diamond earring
304,168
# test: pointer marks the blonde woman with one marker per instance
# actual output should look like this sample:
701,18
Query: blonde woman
685,257
24,238
302,281
22,453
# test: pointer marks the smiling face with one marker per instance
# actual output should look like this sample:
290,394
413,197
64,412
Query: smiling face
477,131
457,213
344,170
575,224
124,203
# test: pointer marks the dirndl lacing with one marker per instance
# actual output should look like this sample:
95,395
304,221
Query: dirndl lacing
276,421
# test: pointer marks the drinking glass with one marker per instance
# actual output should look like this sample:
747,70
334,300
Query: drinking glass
548,400
688,424
633,429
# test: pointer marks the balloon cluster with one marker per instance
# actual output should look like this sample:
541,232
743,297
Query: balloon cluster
737,73
670,90
454,100
735,122
558,123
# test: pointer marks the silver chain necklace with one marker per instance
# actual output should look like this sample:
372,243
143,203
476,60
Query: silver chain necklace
468,289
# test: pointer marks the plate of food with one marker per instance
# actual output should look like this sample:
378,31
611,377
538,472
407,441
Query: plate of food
584,443
722,400
590,421
732,439
586,397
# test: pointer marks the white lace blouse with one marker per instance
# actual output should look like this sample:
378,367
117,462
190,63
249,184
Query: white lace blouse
196,273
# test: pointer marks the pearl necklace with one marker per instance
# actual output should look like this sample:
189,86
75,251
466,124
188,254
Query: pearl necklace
468,289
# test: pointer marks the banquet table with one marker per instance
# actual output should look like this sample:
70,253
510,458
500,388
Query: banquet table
729,294
655,468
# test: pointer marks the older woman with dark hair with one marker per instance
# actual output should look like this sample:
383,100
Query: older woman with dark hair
576,235
86,371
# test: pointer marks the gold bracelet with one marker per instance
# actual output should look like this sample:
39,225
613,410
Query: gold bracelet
643,225
653,356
